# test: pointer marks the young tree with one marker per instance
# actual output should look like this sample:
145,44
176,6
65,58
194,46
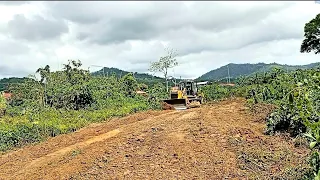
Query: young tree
312,36
44,72
165,63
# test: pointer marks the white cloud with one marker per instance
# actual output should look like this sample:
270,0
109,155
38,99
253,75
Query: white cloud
129,35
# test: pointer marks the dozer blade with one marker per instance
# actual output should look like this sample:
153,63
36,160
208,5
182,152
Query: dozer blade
178,104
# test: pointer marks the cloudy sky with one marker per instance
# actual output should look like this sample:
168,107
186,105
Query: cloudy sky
129,35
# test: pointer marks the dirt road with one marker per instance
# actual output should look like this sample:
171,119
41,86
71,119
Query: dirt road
220,141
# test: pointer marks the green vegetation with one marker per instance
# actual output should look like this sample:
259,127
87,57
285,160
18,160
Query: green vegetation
311,34
67,100
3,105
216,92
5,82
297,94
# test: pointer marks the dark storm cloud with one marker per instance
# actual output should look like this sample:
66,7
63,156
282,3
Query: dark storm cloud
231,39
85,12
217,16
36,28
81,12
120,30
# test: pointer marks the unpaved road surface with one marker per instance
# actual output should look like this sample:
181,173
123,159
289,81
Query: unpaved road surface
219,141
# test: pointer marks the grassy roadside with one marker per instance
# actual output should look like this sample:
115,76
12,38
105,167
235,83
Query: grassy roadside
21,130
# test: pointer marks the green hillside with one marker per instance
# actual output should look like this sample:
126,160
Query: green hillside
141,77
237,70
6,81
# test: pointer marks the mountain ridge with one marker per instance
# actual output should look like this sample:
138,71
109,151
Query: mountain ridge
237,70
218,74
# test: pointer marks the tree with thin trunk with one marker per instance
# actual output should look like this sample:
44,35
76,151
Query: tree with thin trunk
165,63
44,72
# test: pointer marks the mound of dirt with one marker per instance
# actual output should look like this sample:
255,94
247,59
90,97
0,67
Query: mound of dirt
166,106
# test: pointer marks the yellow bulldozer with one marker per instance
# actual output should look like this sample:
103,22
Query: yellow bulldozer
185,95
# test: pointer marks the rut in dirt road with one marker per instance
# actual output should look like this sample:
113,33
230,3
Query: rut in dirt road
220,141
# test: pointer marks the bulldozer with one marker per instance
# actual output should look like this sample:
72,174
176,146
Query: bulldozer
185,95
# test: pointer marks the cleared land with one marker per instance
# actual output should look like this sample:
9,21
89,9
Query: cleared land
217,141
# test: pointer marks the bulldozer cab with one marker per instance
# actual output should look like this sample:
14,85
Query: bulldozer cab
189,86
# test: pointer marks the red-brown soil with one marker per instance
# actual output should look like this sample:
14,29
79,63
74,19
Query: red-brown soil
218,141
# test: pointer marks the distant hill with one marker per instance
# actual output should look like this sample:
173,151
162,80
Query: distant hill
119,73
141,77
237,70
12,80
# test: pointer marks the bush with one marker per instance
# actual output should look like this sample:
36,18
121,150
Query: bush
215,92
